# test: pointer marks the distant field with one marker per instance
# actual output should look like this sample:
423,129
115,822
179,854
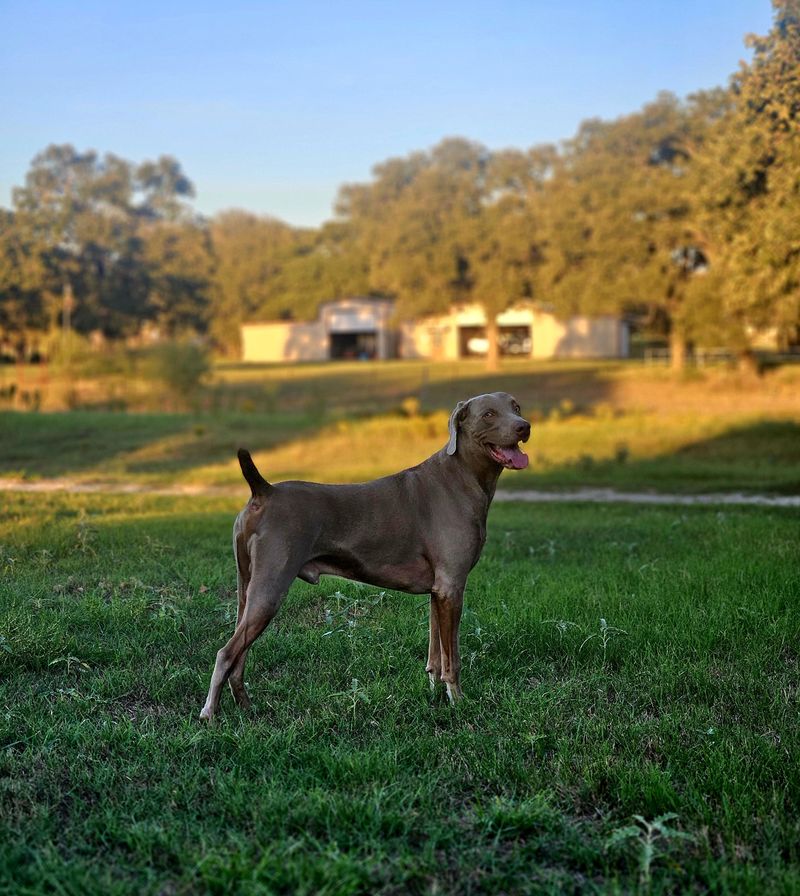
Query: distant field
623,425
361,388
350,778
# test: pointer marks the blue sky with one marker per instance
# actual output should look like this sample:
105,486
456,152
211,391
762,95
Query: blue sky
270,106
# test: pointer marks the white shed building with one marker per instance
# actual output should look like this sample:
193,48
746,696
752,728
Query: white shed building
366,328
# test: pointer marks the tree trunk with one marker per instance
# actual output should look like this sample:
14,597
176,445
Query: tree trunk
492,337
677,349
747,362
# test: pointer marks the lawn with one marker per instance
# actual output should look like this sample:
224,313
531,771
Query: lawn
618,662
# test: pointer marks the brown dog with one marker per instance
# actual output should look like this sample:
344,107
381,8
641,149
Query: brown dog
421,530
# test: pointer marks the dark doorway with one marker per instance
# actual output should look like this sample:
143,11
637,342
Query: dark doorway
354,346
516,341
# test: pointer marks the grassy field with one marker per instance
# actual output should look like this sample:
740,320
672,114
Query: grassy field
350,777
611,424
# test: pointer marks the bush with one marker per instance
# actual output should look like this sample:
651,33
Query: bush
72,355
180,366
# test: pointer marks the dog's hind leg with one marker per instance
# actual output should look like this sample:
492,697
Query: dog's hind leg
264,594
236,680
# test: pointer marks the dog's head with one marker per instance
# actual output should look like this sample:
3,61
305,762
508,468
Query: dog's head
492,426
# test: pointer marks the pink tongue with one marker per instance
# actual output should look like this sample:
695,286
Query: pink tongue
515,458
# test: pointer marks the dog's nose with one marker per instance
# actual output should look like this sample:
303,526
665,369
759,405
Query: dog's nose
524,430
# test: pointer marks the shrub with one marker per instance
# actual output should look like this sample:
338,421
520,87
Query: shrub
180,366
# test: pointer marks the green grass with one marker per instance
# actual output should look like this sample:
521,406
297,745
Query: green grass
349,777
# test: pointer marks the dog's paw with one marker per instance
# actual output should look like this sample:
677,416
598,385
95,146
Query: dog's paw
453,693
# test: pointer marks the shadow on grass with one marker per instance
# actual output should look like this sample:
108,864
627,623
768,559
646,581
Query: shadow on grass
110,443
763,456
543,390
358,388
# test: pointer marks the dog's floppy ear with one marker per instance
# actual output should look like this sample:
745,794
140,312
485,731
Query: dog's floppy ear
459,412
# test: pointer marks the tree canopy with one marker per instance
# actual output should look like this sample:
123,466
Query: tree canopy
750,195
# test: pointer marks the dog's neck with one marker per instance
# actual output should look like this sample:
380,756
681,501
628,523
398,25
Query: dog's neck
475,467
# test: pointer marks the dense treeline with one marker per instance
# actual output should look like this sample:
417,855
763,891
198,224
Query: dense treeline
686,213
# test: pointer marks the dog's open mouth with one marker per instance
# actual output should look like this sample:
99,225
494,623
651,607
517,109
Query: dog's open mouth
511,458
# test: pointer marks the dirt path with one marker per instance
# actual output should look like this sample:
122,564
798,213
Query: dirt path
590,495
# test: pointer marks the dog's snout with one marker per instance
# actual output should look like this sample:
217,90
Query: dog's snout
524,430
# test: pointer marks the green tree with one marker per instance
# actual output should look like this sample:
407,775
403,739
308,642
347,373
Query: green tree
178,262
162,190
326,264
751,195
75,207
249,253
88,216
621,215
23,287
502,240
403,221
447,226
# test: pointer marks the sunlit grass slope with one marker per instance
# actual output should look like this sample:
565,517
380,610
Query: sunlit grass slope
610,424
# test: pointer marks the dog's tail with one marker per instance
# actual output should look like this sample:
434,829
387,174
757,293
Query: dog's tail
258,485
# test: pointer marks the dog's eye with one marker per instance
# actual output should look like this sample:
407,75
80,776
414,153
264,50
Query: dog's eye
517,409
488,414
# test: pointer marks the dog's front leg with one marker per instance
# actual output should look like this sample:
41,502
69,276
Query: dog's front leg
449,604
434,665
